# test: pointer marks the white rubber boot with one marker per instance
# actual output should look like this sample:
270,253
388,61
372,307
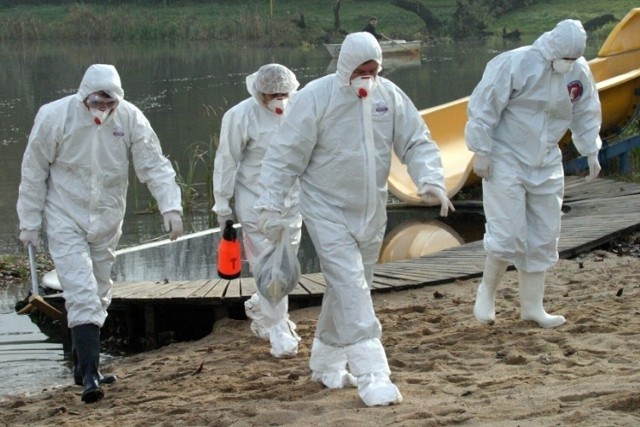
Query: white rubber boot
531,295
484,309
329,366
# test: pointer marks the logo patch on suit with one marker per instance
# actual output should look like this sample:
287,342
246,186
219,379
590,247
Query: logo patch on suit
381,107
575,90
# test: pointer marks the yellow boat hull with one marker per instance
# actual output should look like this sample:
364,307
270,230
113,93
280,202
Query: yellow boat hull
616,71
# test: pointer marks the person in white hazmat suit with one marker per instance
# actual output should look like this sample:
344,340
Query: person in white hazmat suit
337,139
75,174
245,133
524,104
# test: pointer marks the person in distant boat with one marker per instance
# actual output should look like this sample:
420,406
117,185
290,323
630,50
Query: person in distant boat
246,132
337,141
371,28
75,175
526,101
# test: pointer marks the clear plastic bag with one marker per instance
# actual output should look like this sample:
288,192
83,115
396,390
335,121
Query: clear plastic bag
277,270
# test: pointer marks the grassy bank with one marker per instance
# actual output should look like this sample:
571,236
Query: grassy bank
279,22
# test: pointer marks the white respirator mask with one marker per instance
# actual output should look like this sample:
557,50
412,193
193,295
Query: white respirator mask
100,106
562,66
277,105
99,116
363,85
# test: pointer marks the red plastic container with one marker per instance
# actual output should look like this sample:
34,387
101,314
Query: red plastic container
229,253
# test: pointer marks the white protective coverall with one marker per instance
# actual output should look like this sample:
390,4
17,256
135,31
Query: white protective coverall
339,145
517,115
245,133
75,173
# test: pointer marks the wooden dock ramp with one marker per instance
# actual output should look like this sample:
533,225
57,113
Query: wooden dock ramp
595,214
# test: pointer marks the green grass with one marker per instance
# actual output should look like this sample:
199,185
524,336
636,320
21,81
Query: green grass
251,20
542,16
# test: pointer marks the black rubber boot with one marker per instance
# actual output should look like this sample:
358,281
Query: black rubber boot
86,341
77,374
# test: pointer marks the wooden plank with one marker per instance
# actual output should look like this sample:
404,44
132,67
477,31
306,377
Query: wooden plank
155,292
390,281
205,288
379,285
147,290
234,289
217,291
600,212
300,291
248,286
312,287
316,277
123,290
420,278
185,290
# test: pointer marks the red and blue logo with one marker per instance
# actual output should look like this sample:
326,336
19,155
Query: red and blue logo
575,91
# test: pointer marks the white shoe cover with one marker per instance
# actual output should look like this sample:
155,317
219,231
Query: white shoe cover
377,390
334,379
328,366
284,339
259,325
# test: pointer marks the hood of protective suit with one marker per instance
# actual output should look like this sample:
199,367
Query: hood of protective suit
271,78
357,49
567,40
101,77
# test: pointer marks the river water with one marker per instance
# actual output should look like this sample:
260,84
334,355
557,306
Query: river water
183,89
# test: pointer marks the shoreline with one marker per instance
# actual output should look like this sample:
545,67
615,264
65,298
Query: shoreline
450,368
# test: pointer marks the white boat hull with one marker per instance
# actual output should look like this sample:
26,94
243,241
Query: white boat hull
389,47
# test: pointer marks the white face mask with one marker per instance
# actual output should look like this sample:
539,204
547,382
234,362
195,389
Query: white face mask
99,116
277,105
363,85
562,66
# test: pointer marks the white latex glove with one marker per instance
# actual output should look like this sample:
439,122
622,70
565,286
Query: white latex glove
172,224
30,236
481,166
594,167
429,192
270,224
222,219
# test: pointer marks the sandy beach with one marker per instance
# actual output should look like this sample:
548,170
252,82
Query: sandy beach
450,369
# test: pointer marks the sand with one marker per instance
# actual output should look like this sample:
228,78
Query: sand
450,369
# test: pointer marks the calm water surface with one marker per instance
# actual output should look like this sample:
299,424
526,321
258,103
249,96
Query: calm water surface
184,89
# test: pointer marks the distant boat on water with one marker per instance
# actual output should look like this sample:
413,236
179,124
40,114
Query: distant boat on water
389,47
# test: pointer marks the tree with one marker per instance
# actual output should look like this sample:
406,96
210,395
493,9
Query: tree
431,22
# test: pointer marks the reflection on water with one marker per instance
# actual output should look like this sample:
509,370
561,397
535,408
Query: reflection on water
194,257
29,360
184,89
389,64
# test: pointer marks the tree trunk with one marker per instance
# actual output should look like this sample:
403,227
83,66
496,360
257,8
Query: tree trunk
431,22
336,17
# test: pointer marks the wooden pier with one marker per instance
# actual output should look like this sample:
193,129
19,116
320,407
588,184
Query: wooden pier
595,213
